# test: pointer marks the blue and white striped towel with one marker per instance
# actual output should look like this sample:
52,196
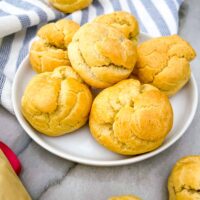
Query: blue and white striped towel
20,19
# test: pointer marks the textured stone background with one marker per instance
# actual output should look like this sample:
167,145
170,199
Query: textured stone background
48,177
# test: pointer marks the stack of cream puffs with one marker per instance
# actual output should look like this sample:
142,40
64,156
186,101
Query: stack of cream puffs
132,113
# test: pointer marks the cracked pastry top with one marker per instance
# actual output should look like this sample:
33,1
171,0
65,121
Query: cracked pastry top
50,50
69,6
123,21
130,118
184,181
127,197
101,55
165,63
56,103
60,33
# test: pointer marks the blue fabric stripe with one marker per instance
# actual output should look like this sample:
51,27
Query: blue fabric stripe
116,5
99,7
58,14
28,6
30,33
4,56
2,81
156,16
134,12
84,17
172,7
179,2
5,50
3,13
25,21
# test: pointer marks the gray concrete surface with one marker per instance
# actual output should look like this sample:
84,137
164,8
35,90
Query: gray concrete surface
48,177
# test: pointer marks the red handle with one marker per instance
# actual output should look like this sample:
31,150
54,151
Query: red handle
12,158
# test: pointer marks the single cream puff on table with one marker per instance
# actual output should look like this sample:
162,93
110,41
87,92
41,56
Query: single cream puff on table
50,50
184,181
56,103
165,63
123,21
69,6
101,55
127,197
130,118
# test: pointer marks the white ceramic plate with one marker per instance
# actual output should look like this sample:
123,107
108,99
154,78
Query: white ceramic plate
81,147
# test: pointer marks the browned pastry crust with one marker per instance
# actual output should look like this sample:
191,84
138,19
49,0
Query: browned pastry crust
184,180
101,55
123,21
130,118
164,63
56,103
69,6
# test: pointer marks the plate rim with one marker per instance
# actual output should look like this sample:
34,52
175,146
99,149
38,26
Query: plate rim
88,161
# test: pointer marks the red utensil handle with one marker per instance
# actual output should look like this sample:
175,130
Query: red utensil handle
12,158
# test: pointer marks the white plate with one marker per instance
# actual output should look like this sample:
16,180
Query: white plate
81,147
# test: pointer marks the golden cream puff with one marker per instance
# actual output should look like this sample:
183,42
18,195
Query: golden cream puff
69,6
130,118
101,55
165,63
184,180
56,103
60,33
123,21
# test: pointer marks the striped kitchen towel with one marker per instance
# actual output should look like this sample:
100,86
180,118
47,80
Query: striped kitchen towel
20,19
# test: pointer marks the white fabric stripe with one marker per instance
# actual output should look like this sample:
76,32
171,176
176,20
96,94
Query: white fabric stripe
125,6
108,8
34,19
5,25
146,19
46,2
11,9
6,96
92,13
176,3
76,16
167,15
9,69
50,14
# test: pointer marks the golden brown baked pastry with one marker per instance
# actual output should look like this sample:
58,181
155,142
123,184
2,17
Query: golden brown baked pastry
56,103
101,55
50,51
184,181
164,62
69,6
11,187
45,58
130,118
123,21
58,34
127,197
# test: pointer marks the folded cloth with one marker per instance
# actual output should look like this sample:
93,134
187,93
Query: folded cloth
20,19
11,186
